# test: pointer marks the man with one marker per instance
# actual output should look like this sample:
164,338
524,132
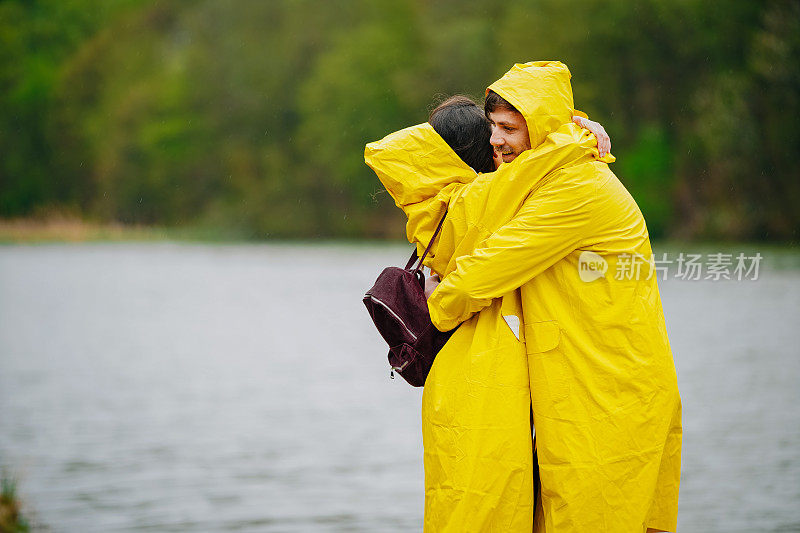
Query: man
510,135
604,395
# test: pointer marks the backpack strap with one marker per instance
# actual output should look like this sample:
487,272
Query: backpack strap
427,248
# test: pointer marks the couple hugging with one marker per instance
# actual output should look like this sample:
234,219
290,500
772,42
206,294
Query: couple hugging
554,407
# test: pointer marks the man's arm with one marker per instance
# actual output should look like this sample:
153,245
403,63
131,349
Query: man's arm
552,223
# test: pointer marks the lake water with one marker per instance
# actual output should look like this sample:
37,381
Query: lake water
194,388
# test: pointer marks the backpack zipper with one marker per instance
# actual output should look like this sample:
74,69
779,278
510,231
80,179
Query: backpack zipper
400,320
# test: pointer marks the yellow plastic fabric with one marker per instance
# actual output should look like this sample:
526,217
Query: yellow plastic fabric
592,358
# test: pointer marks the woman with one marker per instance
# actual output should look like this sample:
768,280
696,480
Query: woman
479,467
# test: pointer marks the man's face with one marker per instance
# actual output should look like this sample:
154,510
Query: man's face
509,134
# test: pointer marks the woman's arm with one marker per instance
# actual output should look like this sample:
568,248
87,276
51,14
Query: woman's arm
603,140
421,173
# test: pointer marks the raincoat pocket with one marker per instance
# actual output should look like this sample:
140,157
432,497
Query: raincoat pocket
547,366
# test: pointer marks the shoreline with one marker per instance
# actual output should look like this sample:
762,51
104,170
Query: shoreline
68,230
76,230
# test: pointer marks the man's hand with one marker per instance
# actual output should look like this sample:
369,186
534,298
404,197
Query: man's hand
603,140
431,282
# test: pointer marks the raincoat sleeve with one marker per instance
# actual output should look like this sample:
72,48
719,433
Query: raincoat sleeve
553,221
421,173
424,216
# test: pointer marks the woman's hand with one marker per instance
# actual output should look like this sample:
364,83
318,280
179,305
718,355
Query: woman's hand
603,140
431,282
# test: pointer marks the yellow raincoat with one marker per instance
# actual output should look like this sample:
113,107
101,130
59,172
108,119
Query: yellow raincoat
592,356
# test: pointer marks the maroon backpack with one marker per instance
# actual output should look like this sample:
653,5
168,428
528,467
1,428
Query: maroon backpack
398,306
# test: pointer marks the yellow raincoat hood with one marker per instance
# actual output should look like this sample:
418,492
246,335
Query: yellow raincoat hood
542,92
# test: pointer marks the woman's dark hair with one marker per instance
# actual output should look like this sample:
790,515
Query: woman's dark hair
463,126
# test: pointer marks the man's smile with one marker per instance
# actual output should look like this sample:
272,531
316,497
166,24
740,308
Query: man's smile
506,154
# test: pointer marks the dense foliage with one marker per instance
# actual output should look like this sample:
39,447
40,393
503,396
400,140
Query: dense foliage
251,117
